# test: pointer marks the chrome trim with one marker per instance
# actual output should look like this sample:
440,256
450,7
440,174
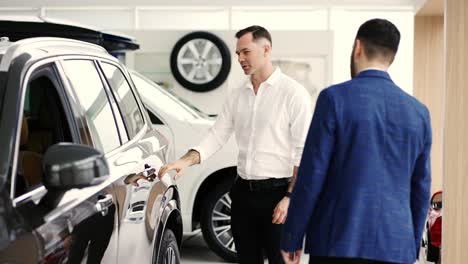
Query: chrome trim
30,196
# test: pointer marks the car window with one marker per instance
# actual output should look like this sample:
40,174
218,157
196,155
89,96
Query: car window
44,123
85,80
164,100
27,102
125,98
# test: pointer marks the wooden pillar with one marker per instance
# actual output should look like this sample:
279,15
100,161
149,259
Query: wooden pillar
455,203
429,83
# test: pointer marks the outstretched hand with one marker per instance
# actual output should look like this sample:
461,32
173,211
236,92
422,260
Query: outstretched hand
179,166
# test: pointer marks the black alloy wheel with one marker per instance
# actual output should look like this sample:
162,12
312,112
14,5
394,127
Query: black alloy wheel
216,221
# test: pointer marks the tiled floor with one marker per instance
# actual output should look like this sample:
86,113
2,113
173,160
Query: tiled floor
195,251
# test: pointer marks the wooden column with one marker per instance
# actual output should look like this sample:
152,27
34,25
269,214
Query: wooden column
429,83
455,219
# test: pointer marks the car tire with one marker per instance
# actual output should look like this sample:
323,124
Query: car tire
200,61
217,232
169,251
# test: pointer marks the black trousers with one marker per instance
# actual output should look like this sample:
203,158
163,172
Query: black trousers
251,223
331,260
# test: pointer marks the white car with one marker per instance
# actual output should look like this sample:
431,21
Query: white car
204,189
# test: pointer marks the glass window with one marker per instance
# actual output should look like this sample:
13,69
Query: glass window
125,99
87,84
164,101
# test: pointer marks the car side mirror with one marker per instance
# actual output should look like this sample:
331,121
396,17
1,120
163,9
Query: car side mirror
68,165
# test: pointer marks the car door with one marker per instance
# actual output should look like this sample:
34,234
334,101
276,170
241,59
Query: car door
50,225
132,161
142,196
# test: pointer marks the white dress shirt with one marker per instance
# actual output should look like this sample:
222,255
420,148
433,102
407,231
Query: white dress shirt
270,127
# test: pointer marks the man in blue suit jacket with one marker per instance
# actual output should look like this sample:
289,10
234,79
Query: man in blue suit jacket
362,192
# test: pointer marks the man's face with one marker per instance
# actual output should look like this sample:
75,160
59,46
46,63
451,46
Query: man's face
251,54
353,63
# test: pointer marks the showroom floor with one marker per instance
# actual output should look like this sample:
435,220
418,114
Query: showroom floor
195,251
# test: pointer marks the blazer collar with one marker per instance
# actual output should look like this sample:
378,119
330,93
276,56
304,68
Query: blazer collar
374,73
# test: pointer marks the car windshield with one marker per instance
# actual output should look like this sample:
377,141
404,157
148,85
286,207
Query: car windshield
166,99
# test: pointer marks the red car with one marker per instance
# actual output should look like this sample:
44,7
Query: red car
434,228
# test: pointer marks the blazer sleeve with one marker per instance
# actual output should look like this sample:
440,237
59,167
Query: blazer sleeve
313,169
421,186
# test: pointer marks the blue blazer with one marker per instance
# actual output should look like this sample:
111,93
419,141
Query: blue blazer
363,186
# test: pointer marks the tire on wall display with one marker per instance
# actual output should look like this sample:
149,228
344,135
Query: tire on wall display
200,61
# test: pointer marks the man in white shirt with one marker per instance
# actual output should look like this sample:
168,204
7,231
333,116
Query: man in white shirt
270,116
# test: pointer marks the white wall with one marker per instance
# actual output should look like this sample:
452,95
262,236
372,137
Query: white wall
297,34
345,24
153,60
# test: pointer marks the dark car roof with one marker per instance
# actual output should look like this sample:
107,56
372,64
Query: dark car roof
17,28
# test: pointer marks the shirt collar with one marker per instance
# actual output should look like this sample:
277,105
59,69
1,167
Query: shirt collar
373,68
270,81
373,73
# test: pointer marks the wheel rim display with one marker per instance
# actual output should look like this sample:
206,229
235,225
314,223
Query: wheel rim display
221,222
199,61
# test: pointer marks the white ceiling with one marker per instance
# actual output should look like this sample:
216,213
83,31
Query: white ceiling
261,3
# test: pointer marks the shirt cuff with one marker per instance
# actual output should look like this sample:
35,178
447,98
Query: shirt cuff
297,159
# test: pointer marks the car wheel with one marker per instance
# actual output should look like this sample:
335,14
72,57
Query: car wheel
200,61
169,251
216,221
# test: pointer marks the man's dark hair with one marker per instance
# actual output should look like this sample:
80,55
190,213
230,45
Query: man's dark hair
380,37
258,32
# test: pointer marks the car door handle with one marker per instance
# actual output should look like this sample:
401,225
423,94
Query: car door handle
149,172
104,203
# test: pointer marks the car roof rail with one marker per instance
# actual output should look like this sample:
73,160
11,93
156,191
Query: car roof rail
44,43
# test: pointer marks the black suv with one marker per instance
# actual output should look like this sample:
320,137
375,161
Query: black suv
78,161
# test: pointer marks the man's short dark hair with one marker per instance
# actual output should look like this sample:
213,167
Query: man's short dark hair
258,32
380,37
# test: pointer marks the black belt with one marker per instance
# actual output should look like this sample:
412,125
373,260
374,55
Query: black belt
263,185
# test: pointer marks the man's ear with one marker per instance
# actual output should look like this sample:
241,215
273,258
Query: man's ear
267,49
358,48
